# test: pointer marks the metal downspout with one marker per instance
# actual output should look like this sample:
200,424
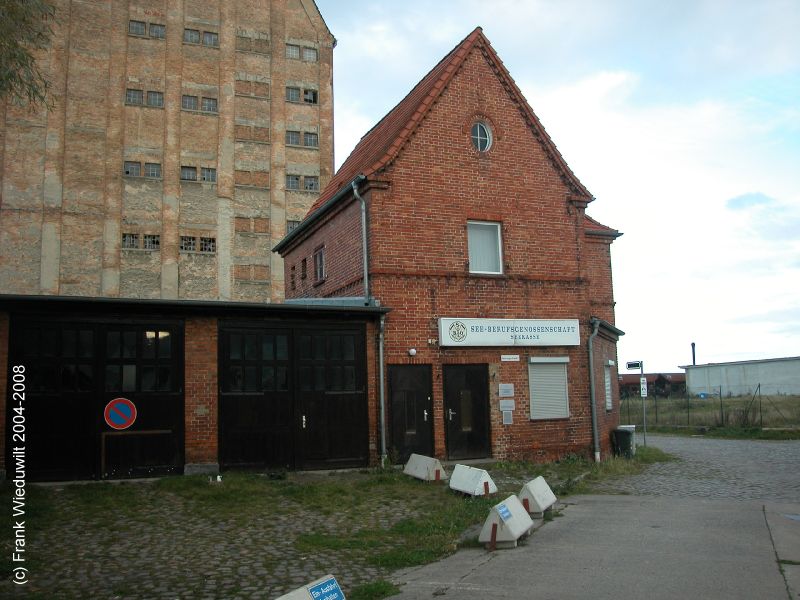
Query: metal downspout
595,438
364,250
380,392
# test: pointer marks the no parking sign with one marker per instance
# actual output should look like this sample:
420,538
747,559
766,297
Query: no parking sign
120,413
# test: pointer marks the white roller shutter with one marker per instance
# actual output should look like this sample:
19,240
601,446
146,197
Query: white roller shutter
548,387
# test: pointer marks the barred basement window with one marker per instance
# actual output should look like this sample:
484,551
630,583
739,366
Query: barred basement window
211,39
292,51
135,97
292,94
310,54
155,99
188,243
293,182
310,96
293,138
208,174
209,105
208,244
130,241
311,140
152,241
136,27
311,184
158,31
189,173
189,102
191,36
132,169
152,170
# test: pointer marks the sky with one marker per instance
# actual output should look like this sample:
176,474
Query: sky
682,118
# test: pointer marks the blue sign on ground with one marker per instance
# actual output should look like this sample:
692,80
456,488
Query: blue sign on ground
327,590
504,512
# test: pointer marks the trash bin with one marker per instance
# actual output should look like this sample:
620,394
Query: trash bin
632,429
622,440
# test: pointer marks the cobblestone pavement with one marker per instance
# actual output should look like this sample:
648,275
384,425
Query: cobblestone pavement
718,468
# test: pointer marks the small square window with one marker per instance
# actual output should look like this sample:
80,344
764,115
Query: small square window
134,96
292,51
191,36
152,170
293,182
155,99
158,31
136,27
211,38
311,184
189,173
310,54
130,241
291,225
319,264
484,246
188,243
209,105
311,140
208,244
151,241
292,94
310,96
132,169
208,174
189,102
293,138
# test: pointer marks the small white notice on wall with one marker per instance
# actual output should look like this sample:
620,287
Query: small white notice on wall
507,405
509,358
506,390
508,417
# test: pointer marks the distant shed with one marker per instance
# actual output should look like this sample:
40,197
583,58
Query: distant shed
773,375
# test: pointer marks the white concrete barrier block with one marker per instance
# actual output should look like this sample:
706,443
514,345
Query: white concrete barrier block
325,588
537,496
425,468
506,524
472,481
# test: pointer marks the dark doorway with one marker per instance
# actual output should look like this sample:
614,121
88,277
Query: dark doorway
73,370
411,410
466,410
292,397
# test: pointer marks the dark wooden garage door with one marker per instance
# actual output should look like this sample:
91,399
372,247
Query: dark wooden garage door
74,369
292,397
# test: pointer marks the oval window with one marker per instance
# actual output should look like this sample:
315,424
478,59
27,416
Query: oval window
481,136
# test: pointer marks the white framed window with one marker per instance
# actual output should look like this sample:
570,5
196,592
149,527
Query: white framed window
211,38
310,96
208,244
310,140
609,395
152,170
130,241
484,242
292,51
292,138
189,102
189,173
481,136
208,105
311,183
293,182
319,264
188,243
291,225
132,169
292,94
191,36
208,174
136,27
152,241
310,54
549,392
158,31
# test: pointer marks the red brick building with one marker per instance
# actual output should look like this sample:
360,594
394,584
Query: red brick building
501,339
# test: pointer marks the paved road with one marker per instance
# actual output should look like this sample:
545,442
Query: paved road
713,525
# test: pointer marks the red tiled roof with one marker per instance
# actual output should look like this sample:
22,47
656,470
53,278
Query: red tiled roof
595,227
381,145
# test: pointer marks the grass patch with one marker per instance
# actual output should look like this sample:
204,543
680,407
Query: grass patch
373,591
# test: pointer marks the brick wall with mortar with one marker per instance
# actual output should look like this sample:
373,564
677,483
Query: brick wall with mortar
419,260
64,202
201,397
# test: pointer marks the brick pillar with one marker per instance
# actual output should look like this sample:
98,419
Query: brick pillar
201,396
4,341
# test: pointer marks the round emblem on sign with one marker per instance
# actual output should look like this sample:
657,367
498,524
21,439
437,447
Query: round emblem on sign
120,413
457,331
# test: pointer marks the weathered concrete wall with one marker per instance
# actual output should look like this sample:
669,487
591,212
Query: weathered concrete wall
65,202
776,376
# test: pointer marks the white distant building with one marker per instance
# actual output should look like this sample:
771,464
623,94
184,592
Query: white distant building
774,375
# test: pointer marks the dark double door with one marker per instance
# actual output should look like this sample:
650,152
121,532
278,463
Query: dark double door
466,410
292,398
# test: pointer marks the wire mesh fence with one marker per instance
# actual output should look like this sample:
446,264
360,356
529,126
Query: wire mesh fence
715,409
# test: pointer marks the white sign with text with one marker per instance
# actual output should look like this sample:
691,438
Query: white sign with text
509,332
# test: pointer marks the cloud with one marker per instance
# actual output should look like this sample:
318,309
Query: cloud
749,200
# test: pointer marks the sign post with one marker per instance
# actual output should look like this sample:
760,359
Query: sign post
639,364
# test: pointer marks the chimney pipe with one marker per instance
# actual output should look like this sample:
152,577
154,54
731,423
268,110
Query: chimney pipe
693,360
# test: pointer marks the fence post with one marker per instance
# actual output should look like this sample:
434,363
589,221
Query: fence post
721,414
